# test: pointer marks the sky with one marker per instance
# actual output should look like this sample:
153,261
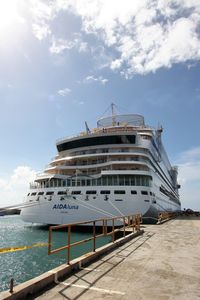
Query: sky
63,62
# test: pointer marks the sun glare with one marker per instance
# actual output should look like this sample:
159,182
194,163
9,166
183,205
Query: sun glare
9,14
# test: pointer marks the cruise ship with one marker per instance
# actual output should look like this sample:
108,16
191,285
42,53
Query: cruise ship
117,169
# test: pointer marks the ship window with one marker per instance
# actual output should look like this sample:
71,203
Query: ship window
61,193
49,193
94,181
59,183
132,180
83,182
40,193
110,180
146,137
164,191
144,192
91,192
151,193
115,180
133,192
78,182
105,140
76,192
104,180
121,180
99,181
105,151
119,192
118,199
138,180
145,181
33,194
105,192
127,182
88,182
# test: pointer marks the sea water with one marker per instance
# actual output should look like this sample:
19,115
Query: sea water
26,264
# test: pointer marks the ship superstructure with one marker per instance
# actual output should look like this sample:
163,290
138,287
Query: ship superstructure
118,168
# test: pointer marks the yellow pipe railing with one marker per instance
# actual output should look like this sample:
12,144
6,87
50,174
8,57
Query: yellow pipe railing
131,221
166,215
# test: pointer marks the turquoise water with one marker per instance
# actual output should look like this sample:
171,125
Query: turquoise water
26,264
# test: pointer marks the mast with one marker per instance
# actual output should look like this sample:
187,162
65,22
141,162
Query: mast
113,114
87,128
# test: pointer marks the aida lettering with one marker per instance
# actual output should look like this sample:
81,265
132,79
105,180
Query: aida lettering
65,206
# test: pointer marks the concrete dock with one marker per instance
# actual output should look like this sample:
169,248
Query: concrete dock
163,263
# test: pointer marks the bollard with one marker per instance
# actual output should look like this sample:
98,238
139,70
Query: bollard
11,285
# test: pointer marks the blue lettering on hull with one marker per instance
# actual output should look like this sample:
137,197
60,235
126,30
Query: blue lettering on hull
65,206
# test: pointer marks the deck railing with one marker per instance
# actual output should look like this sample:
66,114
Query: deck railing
108,226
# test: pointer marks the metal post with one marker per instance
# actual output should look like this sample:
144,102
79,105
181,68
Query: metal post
94,236
68,252
124,226
139,222
11,285
133,222
106,227
113,230
50,239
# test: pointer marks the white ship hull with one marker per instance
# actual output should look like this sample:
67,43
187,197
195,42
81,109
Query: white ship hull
119,169
71,210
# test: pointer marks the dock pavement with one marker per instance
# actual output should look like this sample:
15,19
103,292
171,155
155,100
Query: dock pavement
161,264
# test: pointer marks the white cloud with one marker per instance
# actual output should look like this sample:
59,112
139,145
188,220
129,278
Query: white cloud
60,45
189,178
13,189
99,79
83,47
191,155
10,86
116,64
41,31
78,102
144,35
42,14
81,102
64,92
